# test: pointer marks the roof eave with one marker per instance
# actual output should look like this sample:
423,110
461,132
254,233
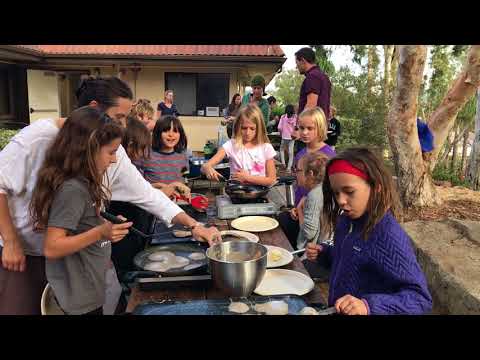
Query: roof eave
234,58
15,53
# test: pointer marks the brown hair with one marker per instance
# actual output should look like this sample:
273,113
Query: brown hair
383,196
318,117
314,165
137,140
252,113
72,155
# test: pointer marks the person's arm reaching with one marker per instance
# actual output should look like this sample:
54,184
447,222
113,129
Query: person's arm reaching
208,169
128,185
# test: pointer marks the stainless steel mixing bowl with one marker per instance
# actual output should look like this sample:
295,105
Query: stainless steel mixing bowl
237,267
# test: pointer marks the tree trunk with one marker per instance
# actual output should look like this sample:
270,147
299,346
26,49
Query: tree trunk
464,151
394,66
414,178
387,75
464,87
454,150
444,155
372,66
473,174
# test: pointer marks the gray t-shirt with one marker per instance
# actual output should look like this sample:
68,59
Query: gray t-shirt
78,280
310,229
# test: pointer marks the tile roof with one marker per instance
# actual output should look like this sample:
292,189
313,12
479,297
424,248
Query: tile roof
159,50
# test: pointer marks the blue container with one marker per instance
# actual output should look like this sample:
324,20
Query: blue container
195,165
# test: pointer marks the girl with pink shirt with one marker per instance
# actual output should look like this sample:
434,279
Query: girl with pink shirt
249,151
286,126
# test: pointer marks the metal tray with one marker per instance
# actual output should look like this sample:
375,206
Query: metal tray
184,250
218,306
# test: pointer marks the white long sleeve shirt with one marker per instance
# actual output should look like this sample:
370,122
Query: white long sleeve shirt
20,162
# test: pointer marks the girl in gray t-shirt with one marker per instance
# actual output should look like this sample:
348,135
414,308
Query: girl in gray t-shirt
66,202
310,175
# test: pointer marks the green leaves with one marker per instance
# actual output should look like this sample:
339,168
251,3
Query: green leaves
5,136
288,85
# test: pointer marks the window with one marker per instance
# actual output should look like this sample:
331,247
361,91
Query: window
5,94
193,92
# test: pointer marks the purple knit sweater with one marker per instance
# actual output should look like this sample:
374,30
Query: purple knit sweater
383,270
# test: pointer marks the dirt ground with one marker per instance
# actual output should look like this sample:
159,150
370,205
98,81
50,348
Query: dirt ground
459,203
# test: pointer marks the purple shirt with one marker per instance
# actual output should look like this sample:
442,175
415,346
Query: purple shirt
300,191
317,82
382,271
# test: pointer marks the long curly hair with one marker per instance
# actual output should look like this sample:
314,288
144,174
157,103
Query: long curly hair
383,194
72,155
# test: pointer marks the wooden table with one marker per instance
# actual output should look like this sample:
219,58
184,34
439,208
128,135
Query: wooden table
274,237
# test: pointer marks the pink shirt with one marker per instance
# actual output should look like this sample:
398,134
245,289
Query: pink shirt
286,126
252,160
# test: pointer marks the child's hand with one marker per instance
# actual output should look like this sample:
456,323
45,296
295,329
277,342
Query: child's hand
294,213
114,232
241,176
313,250
181,189
350,305
211,173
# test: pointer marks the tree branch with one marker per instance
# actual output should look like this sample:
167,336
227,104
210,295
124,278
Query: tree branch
463,88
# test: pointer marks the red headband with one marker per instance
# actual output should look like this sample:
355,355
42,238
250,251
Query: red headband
343,166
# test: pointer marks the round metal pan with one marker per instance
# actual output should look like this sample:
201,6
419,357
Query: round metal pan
184,250
240,191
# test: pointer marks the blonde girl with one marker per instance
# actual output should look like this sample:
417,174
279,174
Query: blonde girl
312,130
249,151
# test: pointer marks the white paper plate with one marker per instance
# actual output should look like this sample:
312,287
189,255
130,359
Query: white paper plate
284,260
244,234
284,282
255,223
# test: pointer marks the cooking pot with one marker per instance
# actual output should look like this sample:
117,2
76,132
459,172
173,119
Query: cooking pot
195,166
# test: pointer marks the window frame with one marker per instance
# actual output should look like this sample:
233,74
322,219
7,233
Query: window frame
11,101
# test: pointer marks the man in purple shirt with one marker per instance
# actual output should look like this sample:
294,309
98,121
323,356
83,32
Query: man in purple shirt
316,87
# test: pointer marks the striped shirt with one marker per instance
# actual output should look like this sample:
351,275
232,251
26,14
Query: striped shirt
164,167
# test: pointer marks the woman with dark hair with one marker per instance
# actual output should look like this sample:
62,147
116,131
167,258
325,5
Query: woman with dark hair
22,269
167,107
231,113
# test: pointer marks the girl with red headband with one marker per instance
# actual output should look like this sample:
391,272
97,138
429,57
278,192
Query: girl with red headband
373,266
